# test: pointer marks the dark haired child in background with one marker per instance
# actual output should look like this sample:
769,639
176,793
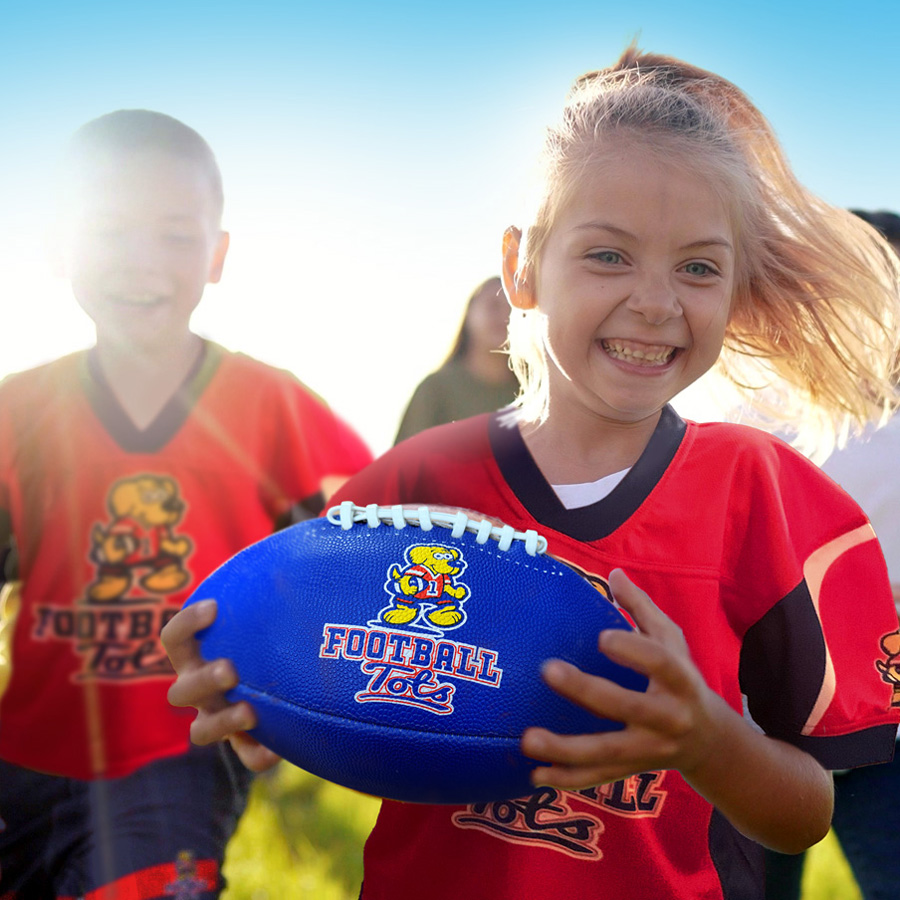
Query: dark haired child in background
865,798
476,376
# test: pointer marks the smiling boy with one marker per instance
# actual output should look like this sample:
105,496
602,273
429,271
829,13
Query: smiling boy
127,474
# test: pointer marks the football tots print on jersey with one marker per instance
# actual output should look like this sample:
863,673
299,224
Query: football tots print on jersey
139,559
568,822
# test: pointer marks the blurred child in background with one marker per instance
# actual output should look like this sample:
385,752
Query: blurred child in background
864,799
476,376
127,474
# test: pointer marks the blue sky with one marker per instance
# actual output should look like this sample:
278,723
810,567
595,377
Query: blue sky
373,153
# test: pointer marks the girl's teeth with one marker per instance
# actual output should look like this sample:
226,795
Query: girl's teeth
650,355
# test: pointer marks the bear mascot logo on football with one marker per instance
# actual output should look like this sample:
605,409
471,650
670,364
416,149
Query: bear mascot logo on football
427,586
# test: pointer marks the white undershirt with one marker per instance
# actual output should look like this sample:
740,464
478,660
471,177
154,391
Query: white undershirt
573,496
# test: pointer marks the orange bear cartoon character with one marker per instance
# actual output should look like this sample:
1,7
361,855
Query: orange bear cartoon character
890,670
144,510
427,585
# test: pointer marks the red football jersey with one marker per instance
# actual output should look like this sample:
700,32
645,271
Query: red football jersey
115,526
780,587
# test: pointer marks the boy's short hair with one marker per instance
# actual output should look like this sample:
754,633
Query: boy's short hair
131,130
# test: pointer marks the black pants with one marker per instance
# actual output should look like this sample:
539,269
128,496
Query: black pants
159,832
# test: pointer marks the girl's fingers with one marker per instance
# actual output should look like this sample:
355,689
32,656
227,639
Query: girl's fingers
656,711
252,753
573,762
596,695
648,617
547,747
204,687
179,636
211,727
575,779
667,665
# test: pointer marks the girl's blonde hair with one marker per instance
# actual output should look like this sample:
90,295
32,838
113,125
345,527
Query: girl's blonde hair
816,308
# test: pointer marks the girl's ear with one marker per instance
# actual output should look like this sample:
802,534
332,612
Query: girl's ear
515,283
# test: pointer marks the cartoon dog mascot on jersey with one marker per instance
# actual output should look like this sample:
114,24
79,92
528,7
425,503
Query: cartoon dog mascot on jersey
139,539
890,670
427,583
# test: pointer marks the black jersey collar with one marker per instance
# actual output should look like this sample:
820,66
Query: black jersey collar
587,523
171,417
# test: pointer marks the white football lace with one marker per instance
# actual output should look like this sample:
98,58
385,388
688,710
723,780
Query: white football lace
348,513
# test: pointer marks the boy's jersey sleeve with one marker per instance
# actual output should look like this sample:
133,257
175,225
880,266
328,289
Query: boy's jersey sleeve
819,666
416,470
311,448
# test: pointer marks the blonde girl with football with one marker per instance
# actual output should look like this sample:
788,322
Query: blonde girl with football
669,236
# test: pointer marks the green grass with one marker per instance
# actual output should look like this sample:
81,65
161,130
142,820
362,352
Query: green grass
302,838
827,875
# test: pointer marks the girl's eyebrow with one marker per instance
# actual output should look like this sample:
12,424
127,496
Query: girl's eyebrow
713,241
605,226
708,242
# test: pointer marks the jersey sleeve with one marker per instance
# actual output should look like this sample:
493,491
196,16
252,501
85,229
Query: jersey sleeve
384,482
312,449
425,468
815,663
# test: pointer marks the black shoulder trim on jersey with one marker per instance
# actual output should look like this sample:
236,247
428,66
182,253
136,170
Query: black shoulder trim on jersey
739,861
308,508
780,694
587,523
9,554
5,555
6,532
846,751
171,417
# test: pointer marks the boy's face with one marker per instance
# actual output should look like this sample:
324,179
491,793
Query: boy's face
143,243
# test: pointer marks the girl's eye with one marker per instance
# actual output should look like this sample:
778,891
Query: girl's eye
699,269
609,257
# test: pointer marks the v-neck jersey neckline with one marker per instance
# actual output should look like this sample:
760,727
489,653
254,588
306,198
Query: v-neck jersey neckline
167,423
596,520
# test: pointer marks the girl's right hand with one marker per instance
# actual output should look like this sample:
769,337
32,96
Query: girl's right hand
203,685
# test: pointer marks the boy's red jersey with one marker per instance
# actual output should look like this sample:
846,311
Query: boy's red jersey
115,526
780,587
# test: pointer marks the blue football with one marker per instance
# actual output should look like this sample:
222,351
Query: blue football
398,651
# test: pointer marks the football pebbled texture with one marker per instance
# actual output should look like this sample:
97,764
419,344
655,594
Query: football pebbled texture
397,651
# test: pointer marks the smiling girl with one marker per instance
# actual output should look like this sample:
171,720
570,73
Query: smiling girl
669,228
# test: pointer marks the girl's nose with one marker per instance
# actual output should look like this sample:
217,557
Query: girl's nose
655,299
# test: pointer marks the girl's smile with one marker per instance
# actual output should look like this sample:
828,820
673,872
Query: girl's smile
635,353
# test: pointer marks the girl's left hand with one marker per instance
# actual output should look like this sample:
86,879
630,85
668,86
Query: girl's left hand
668,727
